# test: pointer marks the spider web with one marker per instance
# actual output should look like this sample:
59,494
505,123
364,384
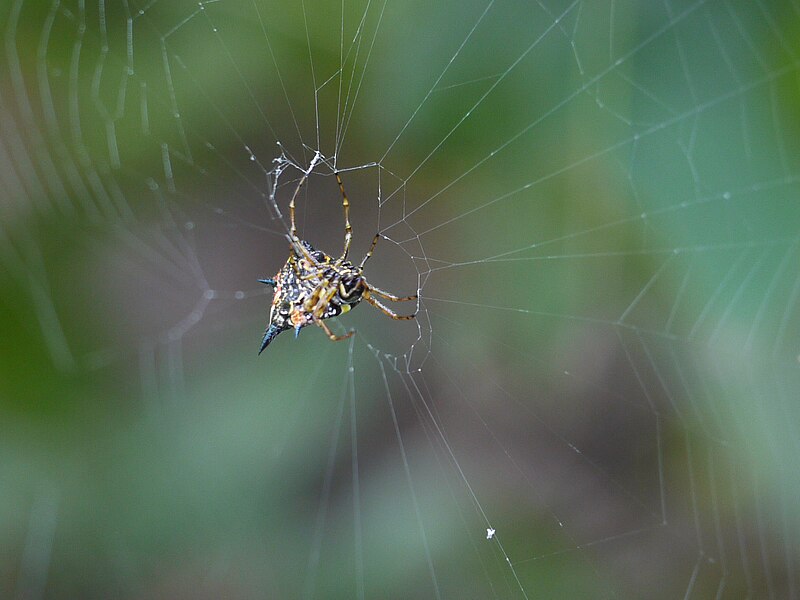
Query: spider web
596,203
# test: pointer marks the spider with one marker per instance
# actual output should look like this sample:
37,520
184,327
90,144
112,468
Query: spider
313,286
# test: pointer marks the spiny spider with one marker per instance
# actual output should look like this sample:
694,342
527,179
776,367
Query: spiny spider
313,286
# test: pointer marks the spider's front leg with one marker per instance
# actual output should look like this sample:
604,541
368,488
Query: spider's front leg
314,161
319,300
348,229
371,249
317,304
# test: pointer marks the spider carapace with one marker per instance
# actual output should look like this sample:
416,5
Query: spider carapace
313,286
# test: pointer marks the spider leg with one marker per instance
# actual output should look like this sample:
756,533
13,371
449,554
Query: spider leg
386,310
308,276
316,302
292,260
293,228
333,337
389,296
348,229
371,248
303,179
377,290
300,250
310,303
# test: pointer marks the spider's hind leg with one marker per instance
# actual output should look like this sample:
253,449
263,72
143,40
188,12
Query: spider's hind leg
332,336
389,296
386,310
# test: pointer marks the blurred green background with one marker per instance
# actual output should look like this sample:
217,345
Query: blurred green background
596,201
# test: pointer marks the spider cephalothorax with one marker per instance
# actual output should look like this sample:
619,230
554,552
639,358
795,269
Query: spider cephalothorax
313,286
